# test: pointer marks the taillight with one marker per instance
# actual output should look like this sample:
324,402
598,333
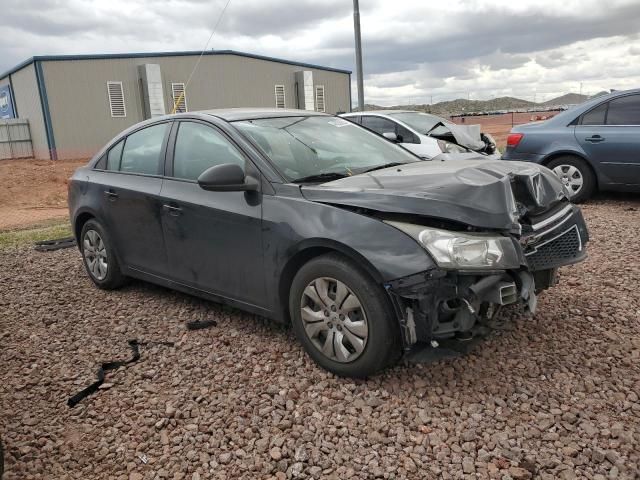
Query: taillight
514,139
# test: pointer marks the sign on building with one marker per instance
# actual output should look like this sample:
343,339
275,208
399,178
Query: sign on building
6,103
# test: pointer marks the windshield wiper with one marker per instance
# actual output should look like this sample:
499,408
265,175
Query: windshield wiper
320,177
384,165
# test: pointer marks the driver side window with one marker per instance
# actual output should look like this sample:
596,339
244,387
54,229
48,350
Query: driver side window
405,135
378,124
200,147
384,125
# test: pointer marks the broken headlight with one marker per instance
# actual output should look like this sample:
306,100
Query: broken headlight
462,250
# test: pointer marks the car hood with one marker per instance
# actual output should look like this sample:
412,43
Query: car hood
465,135
490,194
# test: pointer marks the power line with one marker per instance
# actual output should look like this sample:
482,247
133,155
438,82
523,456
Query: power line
195,67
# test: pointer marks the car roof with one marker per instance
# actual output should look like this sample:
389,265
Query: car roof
568,116
234,114
379,112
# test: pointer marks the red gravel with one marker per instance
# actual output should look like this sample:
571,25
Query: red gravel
556,396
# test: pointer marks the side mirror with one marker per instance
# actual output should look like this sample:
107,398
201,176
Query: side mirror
228,177
390,136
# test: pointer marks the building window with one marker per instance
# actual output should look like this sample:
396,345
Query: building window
280,99
320,98
179,98
116,99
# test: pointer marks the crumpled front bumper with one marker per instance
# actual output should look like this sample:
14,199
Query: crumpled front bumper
442,304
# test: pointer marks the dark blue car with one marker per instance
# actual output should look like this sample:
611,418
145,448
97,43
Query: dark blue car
594,146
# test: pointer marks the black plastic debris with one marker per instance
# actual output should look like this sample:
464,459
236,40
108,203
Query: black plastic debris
201,324
106,366
57,244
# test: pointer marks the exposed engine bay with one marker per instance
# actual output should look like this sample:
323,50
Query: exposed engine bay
442,304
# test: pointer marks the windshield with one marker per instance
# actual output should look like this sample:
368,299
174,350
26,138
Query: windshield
303,147
422,122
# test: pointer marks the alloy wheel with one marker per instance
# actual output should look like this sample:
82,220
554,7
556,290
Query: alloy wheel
570,177
334,319
95,254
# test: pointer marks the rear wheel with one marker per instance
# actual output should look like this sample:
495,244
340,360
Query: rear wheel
342,318
576,176
99,256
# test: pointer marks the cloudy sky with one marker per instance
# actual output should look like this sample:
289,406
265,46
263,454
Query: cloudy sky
414,50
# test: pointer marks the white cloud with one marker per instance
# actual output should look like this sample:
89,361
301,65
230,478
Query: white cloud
414,50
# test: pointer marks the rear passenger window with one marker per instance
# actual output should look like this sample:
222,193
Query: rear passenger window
624,111
142,150
199,147
113,157
595,116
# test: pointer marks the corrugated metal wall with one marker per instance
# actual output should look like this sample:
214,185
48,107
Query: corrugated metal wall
27,101
79,104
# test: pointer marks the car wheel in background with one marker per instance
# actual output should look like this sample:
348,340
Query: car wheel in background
99,256
342,318
576,175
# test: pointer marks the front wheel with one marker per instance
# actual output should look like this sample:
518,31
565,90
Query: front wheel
99,256
342,318
576,176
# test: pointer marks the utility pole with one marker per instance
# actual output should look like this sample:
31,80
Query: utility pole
580,88
356,29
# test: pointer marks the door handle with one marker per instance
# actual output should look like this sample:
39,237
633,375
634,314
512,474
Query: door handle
173,210
595,139
111,195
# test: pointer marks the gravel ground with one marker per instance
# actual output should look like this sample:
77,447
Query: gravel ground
555,396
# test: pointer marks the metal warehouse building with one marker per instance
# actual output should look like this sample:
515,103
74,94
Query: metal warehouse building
74,104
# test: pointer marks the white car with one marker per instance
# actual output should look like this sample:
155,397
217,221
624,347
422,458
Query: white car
424,134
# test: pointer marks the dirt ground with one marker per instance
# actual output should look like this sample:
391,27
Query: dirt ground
500,125
32,191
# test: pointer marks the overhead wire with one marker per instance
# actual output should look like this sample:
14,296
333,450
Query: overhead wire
195,67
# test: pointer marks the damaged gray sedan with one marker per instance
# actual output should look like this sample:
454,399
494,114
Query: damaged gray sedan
369,252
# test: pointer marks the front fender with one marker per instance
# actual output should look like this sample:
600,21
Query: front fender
292,225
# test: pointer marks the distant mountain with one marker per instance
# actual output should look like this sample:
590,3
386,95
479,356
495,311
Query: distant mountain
461,106
567,99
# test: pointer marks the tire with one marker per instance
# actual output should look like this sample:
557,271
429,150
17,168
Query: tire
358,332
570,170
99,257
